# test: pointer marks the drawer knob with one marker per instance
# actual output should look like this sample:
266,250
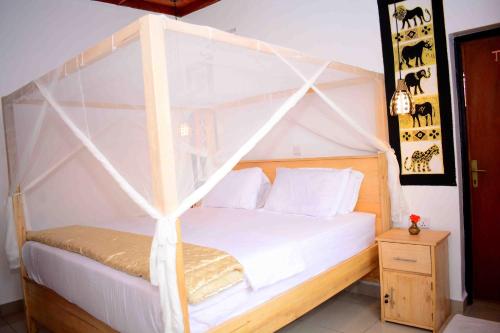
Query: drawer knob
404,259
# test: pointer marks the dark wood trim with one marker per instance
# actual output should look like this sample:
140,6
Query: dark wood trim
464,150
139,4
194,6
178,11
492,30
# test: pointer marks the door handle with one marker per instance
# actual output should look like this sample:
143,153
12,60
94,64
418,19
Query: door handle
474,171
473,167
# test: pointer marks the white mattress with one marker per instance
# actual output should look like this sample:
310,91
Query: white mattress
130,304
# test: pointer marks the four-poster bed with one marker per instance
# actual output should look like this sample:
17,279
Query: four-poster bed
47,308
50,310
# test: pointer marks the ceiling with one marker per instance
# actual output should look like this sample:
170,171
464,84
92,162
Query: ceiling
171,7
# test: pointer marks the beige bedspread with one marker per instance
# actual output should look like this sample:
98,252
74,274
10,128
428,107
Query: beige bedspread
207,270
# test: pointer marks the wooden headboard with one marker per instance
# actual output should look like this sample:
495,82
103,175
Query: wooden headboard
374,193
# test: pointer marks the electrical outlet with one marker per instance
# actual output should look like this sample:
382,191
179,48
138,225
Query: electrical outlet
424,223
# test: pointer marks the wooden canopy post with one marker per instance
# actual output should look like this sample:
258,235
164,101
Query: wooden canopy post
18,212
385,200
161,134
381,109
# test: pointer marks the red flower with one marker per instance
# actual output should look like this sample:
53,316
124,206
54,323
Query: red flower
414,218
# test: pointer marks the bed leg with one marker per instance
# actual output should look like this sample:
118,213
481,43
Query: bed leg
31,326
18,210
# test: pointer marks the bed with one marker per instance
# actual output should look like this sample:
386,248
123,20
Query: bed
112,296
88,296
90,139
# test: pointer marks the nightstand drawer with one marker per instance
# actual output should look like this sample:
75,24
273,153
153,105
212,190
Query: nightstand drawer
406,257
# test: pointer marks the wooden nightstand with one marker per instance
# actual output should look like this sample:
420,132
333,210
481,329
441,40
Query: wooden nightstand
414,285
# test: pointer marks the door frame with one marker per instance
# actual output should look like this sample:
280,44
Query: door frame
458,40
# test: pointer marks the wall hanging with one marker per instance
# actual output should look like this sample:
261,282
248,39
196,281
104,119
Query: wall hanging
423,141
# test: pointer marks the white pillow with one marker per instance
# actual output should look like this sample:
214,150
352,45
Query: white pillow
351,194
265,189
314,192
245,188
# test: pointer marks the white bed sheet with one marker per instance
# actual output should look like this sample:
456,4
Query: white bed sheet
111,295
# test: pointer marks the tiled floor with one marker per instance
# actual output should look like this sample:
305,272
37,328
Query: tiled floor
484,310
13,323
345,313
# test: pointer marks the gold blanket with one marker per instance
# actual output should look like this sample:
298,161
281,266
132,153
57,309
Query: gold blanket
207,271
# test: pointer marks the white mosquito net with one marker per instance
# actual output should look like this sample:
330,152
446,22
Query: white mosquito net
78,138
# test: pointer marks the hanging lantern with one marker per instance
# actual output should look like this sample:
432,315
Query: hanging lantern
401,101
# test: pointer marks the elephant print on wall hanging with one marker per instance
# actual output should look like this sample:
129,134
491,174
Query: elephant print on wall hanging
412,80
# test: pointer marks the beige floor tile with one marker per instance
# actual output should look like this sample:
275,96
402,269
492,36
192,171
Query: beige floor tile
446,322
288,328
19,326
365,288
16,321
14,317
344,316
301,326
6,329
484,310
358,299
3,322
387,327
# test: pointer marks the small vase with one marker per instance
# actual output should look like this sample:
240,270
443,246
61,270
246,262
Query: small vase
414,229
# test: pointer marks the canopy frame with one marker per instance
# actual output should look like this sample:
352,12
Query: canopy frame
150,30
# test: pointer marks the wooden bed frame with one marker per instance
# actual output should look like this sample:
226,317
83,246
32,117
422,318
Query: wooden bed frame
48,309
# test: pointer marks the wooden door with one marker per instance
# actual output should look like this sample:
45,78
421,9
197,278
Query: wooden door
481,69
410,298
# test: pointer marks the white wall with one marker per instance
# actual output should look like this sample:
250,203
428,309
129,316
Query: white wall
35,37
348,31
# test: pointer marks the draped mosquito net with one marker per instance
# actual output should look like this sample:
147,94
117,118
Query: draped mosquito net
79,139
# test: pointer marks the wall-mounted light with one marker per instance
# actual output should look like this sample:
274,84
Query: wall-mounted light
185,129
